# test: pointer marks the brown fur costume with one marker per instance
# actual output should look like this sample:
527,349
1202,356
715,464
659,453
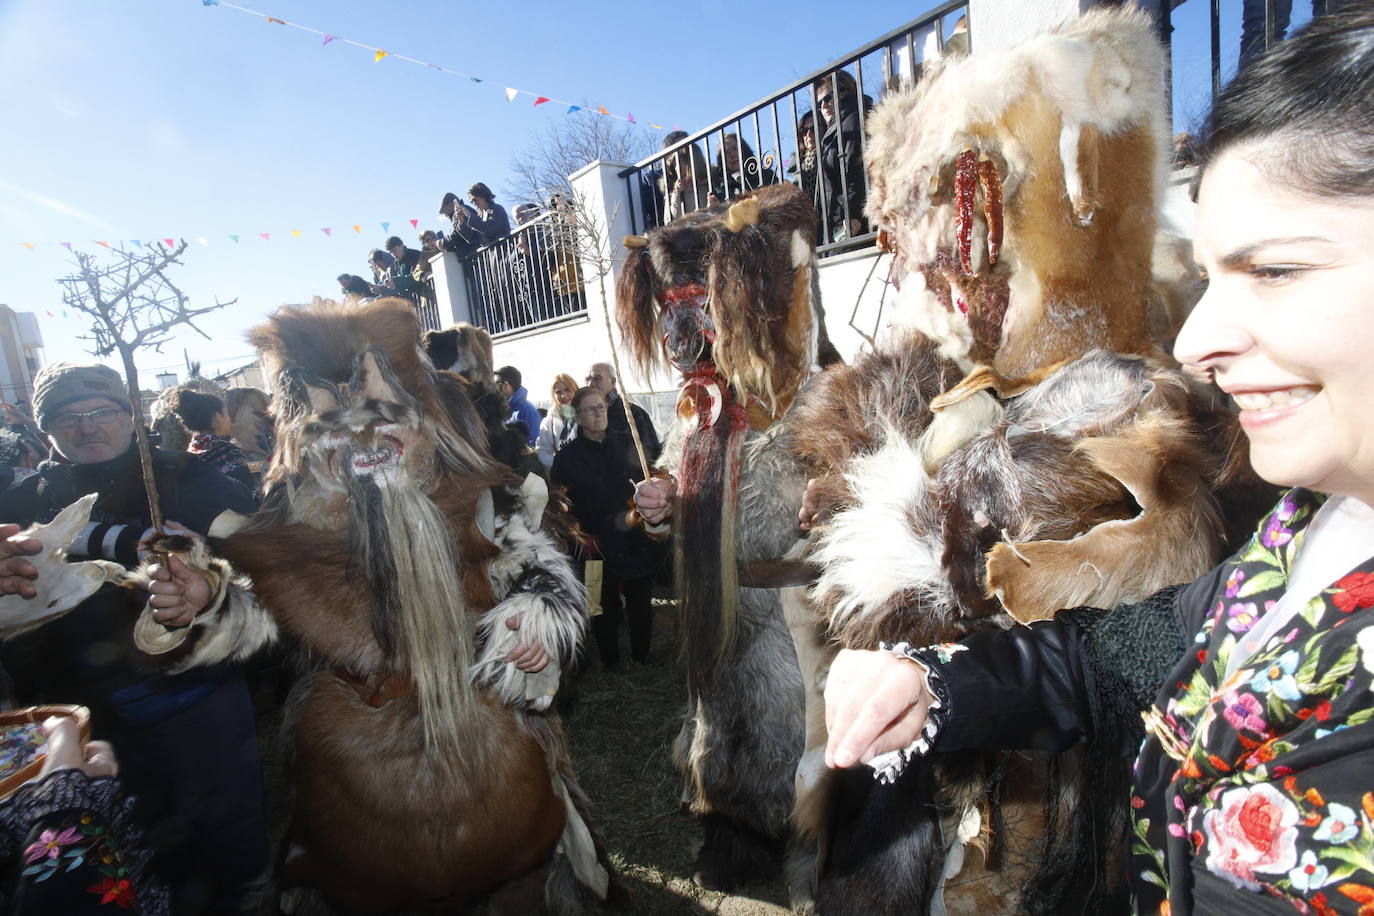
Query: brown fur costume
1019,194
397,552
728,297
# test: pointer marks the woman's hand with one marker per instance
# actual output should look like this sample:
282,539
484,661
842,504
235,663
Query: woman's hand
654,498
177,593
874,702
64,750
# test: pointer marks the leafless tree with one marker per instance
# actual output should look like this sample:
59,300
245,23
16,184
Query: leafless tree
543,166
133,304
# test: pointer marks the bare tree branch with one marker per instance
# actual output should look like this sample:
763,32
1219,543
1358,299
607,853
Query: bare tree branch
543,166
133,304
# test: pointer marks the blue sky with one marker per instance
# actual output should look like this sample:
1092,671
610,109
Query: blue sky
141,119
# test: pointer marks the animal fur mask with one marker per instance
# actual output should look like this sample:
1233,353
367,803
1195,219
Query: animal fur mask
733,286
1018,192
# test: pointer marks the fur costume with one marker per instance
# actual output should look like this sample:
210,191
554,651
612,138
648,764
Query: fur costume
399,556
729,298
1018,193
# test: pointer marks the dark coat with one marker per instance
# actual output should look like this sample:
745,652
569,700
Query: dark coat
842,189
600,479
647,434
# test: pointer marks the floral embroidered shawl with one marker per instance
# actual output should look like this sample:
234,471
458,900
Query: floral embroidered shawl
1274,791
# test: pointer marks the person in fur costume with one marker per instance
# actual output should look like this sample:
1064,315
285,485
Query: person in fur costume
417,576
1072,464
730,296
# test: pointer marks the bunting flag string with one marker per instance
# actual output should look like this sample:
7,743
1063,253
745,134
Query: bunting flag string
235,237
378,54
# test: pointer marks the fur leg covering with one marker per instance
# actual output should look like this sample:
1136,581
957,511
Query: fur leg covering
544,602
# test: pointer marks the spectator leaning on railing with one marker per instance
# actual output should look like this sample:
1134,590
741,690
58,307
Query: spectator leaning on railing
841,191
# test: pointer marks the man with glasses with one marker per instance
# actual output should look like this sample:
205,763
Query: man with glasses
186,743
601,376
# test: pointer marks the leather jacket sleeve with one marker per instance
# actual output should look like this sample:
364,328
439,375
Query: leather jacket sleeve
1085,673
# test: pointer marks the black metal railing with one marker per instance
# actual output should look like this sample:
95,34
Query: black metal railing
1260,24
528,278
788,136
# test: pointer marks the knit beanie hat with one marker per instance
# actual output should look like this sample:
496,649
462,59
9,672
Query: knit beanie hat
59,384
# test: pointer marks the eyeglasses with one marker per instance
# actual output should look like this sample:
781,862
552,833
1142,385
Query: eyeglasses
599,408
102,417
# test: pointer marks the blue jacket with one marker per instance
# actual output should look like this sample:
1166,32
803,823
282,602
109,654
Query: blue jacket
521,409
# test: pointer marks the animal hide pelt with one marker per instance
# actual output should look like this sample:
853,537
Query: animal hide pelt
728,297
396,552
1019,192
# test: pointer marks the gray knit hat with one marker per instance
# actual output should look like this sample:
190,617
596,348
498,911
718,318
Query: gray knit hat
59,384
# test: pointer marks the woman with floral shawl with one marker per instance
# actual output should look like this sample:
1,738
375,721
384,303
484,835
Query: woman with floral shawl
1253,788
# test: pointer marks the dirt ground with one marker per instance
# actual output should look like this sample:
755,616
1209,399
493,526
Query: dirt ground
621,731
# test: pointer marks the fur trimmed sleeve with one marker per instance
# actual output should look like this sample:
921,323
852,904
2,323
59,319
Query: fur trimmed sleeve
232,627
536,583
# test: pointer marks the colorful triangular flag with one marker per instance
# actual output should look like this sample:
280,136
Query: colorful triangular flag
540,100
511,94
328,232
655,126
266,236
273,19
209,2
475,79
64,313
572,108
29,246
327,40
67,245
49,314
296,233
629,116
170,243
602,109
358,229
386,227
137,243
235,238
377,58
415,224
102,244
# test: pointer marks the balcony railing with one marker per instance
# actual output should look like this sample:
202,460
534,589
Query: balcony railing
527,279
780,138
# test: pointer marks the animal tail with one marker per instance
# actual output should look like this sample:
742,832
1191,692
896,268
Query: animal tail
707,563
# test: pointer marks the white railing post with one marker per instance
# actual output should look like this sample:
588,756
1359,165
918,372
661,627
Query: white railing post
450,290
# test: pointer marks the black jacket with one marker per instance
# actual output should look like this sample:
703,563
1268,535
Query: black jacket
615,413
600,479
842,188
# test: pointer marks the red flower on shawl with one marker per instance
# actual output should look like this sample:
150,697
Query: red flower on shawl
114,890
1356,592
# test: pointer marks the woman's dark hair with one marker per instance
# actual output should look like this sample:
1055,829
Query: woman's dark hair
582,395
745,151
1312,96
195,410
482,191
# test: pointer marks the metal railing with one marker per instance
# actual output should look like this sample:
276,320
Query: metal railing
781,138
1260,24
528,278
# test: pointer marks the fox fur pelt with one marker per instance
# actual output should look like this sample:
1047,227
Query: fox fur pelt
728,297
407,564
1019,194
